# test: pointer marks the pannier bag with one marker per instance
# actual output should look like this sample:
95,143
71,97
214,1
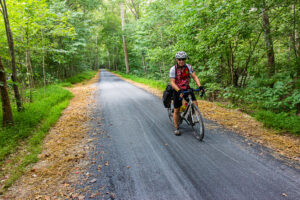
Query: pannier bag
167,96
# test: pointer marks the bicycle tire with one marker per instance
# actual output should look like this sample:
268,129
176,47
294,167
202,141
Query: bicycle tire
170,112
198,125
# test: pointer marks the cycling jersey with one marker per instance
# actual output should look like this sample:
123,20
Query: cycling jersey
182,77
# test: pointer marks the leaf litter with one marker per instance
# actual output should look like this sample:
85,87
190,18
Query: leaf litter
286,145
65,149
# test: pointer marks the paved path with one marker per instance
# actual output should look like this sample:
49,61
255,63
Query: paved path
142,159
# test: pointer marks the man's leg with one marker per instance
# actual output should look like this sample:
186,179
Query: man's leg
176,120
176,117
177,105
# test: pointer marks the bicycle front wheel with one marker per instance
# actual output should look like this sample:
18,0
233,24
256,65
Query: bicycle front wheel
197,123
170,112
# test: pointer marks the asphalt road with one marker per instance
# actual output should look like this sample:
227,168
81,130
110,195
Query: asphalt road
138,157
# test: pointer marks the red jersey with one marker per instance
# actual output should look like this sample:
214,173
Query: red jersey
182,78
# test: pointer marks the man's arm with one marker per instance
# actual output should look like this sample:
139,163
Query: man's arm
173,84
196,79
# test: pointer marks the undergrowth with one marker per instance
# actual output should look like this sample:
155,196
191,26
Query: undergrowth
80,77
25,122
161,85
31,126
279,121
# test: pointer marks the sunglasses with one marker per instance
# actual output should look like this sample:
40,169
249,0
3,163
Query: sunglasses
180,59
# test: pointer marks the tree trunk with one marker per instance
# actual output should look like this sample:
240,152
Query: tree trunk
143,61
160,69
96,62
43,64
12,55
108,59
29,71
295,35
269,42
6,108
135,9
230,61
44,72
298,109
124,40
28,64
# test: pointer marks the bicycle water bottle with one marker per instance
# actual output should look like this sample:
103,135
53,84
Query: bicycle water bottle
182,109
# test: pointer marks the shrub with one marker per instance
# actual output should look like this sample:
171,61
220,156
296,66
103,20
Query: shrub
279,121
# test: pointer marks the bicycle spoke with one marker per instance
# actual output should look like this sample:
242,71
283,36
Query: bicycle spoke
198,125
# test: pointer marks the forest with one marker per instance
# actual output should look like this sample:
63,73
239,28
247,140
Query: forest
245,52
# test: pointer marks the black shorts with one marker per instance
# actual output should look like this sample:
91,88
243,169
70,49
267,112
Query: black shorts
178,103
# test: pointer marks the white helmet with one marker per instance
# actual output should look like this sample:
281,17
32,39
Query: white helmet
180,54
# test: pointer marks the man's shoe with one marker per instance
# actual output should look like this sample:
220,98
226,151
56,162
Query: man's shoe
177,132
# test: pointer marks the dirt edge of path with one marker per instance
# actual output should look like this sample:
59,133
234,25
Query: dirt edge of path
65,152
285,145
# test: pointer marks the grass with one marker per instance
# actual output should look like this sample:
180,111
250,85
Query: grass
77,78
34,148
160,85
80,77
31,126
282,122
279,121
40,110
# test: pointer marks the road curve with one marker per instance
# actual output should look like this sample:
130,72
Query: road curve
138,157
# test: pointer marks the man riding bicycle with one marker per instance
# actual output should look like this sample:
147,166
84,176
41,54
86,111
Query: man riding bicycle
180,81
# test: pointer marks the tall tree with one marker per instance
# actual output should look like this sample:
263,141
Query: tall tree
268,40
134,7
124,39
6,108
12,54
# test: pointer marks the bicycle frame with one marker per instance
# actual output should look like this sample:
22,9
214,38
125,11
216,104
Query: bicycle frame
187,112
191,115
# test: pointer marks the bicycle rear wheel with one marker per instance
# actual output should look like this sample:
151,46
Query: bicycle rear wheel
197,123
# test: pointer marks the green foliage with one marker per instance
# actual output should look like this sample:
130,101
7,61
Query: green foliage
32,125
79,77
59,32
279,121
161,85
37,116
34,144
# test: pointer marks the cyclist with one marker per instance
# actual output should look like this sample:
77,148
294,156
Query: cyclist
180,81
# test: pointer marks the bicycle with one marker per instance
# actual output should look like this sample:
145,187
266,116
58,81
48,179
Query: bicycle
191,115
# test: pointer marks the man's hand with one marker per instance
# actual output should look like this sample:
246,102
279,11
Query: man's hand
180,94
201,88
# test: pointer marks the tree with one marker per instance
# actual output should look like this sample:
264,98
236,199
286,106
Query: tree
124,39
268,40
6,108
12,54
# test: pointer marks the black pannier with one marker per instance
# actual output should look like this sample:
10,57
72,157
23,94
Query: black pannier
167,96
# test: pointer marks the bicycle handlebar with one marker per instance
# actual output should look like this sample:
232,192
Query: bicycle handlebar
188,90
191,89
